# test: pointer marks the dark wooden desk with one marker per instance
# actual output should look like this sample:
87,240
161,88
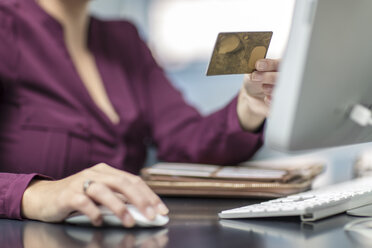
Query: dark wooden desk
194,223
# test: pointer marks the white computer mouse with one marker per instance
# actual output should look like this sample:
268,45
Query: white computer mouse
110,219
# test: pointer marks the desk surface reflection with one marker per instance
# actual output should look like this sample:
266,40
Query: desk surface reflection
193,223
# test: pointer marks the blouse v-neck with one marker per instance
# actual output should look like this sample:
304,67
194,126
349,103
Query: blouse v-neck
93,46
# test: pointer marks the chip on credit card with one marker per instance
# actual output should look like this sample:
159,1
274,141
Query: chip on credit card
237,52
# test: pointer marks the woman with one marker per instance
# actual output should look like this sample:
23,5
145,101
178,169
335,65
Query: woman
81,98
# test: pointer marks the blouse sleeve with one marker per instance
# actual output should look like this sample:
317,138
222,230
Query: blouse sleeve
182,134
12,186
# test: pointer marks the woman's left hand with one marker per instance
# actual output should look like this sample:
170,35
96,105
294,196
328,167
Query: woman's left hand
255,96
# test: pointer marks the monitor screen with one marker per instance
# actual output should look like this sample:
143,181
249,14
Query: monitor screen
326,70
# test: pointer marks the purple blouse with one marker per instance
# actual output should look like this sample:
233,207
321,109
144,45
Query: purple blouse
51,127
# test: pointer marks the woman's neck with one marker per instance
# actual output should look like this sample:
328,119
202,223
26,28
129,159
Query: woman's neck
74,18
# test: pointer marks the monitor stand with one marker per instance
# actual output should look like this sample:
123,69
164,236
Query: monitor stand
363,211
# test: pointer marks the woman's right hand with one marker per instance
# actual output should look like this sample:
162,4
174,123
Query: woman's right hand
53,201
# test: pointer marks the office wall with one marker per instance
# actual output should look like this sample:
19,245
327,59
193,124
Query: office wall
133,10
182,33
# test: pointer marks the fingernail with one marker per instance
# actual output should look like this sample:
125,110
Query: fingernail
150,213
257,77
128,221
261,65
162,209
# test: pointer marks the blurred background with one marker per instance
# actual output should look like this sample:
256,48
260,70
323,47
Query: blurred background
181,35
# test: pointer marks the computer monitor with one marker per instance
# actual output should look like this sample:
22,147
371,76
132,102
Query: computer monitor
326,70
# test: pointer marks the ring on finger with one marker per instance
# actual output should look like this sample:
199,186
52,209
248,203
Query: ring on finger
86,185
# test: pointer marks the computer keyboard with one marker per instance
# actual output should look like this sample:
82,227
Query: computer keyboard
311,205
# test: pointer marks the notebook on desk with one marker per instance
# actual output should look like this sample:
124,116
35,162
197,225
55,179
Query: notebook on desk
183,179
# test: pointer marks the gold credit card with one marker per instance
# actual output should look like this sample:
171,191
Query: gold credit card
237,52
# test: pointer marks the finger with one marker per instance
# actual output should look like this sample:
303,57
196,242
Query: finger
85,205
267,65
121,197
267,100
247,77
101,194
154,199
253,88
264,77
147,193
134,189
267,89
